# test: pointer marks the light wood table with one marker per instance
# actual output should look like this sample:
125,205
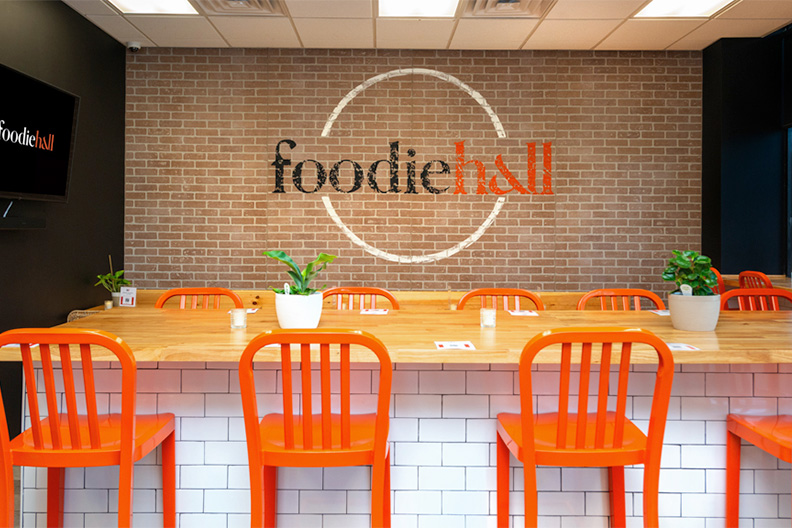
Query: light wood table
205,335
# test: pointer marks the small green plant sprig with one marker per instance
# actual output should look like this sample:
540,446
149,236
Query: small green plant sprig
302,278
114,280
693,269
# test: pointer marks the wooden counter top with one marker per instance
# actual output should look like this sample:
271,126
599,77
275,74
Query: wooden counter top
205,335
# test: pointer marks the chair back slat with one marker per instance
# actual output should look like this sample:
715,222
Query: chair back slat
583,390
288,396
602,395
90,395
346,397
209,298
71,398
324,368
501,298
30,388
563,395
621,394
307,392
51,395
621,299
359,297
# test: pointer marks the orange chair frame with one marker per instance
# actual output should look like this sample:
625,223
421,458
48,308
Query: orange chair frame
772,434
348,295
620,299
209,297
72,439
6,473
586,439
755,299
308,438
720,289
506,297
754,279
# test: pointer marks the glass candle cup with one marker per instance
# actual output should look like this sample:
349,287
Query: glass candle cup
487,317
239,318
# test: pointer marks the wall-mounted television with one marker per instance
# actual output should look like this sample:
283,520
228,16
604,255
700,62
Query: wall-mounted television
38,127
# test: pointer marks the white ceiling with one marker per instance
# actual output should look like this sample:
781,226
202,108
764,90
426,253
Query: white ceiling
566,25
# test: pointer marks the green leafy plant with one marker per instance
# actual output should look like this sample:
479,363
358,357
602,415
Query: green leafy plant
693,269
302,278
114,280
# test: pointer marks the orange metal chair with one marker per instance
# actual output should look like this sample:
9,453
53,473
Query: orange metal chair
754,279
755,299
772,434
604,438
72,438
209,297
329,436
346,297
720,289
505,298
621,299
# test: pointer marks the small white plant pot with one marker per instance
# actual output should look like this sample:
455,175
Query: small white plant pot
298,311
694,313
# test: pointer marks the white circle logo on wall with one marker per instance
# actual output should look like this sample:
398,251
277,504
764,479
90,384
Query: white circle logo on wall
433,257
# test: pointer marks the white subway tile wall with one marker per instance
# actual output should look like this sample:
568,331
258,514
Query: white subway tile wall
442,458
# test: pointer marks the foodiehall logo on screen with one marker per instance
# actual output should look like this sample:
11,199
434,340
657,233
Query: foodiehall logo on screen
26,138
404,174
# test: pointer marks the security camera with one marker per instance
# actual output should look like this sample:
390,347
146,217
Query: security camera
133,46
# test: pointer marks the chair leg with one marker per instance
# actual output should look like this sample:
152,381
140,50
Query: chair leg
270,480
126,479
502,483
617,496
55,476
256,495
651,494
380,493
169,481
732,480
386,495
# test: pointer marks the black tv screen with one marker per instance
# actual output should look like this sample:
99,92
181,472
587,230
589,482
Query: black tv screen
38,125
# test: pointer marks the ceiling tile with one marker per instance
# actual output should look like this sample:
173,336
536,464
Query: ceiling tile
119,29
648,34
491,33
594,9
256,32
719,28
760,9
90,7
178,31
330,8
413,33
570,34
335,33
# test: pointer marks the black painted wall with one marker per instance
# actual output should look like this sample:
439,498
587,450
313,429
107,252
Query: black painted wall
744,180
46,273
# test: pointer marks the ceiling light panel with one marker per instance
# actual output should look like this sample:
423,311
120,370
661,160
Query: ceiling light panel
508,8
682,8
154,7
418,8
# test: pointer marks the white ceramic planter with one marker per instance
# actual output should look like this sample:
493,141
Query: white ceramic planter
298,311
694,313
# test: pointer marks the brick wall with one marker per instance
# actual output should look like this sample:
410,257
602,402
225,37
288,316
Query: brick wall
202,127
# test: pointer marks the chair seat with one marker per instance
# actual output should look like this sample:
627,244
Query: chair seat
150,431
769,433
545,426
360,451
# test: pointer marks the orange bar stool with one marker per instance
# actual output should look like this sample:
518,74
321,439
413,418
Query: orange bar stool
330,435
772,434
346,297
756,299
754,279
604,438
504,298
621,299
209,298
60,440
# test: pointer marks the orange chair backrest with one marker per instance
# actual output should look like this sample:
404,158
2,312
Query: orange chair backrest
209,298
600,345
64,427
621,299
754,279
504,298
755,299
720,288
322,348
359,297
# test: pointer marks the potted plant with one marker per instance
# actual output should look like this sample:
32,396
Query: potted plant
694,306
299,306
113,282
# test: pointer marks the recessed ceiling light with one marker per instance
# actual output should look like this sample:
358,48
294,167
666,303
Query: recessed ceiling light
154,7
418,8
682,8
